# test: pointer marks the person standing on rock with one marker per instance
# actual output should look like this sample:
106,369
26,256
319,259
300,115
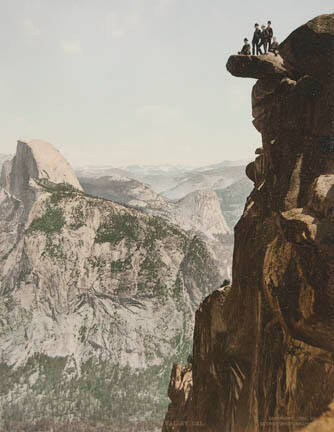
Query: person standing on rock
256,40
269,35
264,38
246,49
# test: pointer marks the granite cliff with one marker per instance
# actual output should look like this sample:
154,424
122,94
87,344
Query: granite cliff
263,353
97,301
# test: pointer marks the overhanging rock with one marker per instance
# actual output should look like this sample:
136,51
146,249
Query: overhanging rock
265,66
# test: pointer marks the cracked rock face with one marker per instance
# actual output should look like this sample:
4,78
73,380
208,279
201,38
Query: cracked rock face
264,352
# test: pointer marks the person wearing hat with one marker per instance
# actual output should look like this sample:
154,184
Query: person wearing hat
256,40
264,38
269,35
246,49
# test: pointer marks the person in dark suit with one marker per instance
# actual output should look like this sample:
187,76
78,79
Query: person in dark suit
246,49
269,35
256,40
264,39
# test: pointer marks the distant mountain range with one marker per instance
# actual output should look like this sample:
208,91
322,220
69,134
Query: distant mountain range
155,186
174,181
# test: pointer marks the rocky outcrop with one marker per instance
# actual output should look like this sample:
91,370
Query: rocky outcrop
309,49
251,66
263,353
180,393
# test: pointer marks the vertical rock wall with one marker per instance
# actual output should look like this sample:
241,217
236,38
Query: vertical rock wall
264,348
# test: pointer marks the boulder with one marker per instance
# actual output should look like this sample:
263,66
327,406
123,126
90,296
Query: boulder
310,48
250,171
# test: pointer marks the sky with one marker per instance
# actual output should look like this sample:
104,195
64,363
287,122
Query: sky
118,82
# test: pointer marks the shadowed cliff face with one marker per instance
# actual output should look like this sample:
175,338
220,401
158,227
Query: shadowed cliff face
264,348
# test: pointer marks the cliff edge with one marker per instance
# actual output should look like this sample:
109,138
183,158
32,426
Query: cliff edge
263,356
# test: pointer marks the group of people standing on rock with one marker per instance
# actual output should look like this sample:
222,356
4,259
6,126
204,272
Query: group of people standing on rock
263,37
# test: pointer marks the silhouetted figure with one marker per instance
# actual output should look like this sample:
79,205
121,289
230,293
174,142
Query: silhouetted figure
256,40
264,38
269,35
274,46
246,49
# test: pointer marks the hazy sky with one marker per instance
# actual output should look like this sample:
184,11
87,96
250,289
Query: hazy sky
134,81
